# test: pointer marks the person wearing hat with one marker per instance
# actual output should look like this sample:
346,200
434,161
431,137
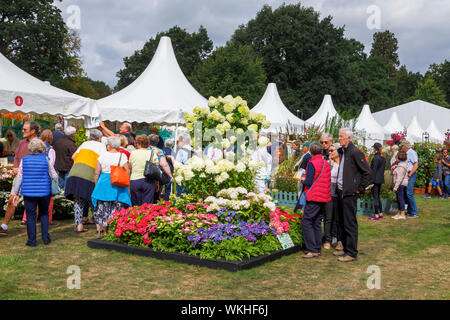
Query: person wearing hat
377,167
413,164
302,164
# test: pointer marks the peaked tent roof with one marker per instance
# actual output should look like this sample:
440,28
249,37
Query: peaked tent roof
414,131
21,92
276,112
365,121
394,124
424,111
161,94
325,109
435,134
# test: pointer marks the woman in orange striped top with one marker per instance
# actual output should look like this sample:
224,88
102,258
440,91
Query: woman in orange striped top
81,180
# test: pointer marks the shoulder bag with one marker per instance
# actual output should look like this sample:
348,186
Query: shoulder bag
119,175
302,200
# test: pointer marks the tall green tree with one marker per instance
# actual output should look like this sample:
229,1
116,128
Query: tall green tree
441,75
407,83
385,46
429,91
307,57
33,35
234,69
190,49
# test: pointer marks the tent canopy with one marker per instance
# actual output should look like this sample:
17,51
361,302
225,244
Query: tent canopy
423,111
161,94
435,134
414,131
326,109
374,131
276,112
21,92
394,124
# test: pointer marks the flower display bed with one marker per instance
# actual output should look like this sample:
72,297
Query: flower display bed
233,266
233,231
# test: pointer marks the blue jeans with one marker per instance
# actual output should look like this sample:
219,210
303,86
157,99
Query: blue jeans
62,179
31,204
180,190
167,191
446,189
410,200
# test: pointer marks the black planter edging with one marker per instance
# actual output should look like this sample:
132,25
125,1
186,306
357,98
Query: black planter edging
193,260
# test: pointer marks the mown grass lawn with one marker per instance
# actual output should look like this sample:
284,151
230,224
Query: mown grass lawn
413,256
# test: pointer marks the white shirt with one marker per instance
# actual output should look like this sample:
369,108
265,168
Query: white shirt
108,159
261,155
411,158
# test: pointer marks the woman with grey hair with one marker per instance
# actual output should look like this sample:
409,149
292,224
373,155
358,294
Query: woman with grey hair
106,197
81,180
34,182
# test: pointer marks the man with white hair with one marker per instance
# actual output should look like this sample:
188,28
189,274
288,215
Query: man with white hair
125,129
353,177
64,149
58,133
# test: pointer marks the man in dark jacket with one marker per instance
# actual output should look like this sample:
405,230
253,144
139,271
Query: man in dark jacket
65,147
377,166
353,176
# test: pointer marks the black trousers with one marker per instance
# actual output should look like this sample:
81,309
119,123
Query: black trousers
330,222
376,198
348,223
311,225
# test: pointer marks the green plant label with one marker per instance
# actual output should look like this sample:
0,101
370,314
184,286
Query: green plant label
285,240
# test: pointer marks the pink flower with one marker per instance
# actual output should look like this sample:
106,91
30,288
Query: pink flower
285,226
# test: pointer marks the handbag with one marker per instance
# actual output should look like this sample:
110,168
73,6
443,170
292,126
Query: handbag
302,200
54,188
119,175
151,170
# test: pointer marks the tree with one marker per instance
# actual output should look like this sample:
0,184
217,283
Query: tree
385,46
305,56
407,83
190,50
86,87
429,91
441,75
234,69
378,89
33,35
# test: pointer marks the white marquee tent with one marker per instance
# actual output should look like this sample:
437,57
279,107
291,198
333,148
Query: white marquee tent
326,109
435,134
423,111
414,131
394,124
276,112
161,94
21,92
374,131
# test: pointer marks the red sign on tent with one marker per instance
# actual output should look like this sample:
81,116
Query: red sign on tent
18,101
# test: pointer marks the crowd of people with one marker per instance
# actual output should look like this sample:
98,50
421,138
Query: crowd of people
330,178
44,158
333,175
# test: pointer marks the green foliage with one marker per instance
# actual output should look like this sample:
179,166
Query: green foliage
239,248
426,153
284,176
334,124
80,136
295,231
190,49
34,36
86,87
385,46
440,73
407,83
234,69
429,91
305,56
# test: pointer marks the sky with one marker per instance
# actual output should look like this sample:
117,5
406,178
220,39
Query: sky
113,29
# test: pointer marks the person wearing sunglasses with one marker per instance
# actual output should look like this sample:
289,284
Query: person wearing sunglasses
326,140
11,145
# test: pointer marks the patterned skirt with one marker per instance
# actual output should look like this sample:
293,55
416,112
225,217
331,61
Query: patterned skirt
105,210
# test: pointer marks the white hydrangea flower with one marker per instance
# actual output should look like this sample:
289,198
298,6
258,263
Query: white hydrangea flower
213,207
241,190
240,167
188,174
178,179
270,205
